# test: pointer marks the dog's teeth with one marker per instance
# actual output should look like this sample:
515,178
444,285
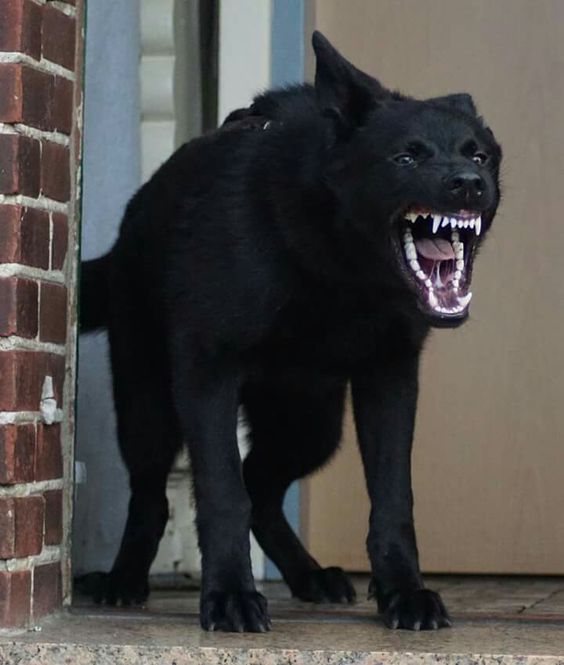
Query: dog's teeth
455,284
415,265
471,223
458,249
422,276
446,222
428,283
463,302
455,236
459,264
411,217
457,274
433,300
436,223
466,223
460,224
410,250
478,225
453,222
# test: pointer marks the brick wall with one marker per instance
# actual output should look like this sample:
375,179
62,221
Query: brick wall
40,111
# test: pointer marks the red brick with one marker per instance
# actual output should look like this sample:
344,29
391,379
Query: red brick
11,93
35,98
22,374
18,307
17,453
21,526
60,241
7,528
19,164
30,520
58,37
15,598
47,589
48,457
20,27
53,517
53,313
55,171
61,105
24,236
35,238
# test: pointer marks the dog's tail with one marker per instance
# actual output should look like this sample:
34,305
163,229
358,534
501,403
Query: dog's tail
94,294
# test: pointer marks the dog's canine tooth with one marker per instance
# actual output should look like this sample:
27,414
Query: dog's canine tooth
436,223
464,300
478,221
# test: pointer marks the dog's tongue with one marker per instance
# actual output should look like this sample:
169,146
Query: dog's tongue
436,249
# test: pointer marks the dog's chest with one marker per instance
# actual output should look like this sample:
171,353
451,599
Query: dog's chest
338,334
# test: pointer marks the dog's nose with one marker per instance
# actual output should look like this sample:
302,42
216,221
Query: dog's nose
466,184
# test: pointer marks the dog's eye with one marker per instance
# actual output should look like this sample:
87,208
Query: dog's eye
480,158
404,159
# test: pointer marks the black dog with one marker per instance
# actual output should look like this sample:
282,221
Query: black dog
311,241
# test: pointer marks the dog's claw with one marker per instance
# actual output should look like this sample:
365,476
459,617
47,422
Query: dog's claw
420,609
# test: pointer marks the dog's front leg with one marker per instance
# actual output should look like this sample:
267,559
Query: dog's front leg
206,403
384,400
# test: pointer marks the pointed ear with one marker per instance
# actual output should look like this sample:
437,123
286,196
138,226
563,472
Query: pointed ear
339,85
460,101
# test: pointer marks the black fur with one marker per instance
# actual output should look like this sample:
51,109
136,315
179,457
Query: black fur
260,266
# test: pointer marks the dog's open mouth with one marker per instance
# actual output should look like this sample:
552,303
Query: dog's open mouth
438,250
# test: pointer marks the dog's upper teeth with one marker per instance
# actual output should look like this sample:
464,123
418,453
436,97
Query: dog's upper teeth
478,221
414,263
446,221
436,223
471,223
453,222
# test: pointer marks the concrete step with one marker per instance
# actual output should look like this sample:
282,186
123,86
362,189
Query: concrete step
501,621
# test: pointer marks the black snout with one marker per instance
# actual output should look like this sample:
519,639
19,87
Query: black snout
466,186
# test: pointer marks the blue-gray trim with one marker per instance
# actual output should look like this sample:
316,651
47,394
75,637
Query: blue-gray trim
287,66
111,169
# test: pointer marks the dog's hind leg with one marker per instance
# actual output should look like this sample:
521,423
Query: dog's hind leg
293,432
149,439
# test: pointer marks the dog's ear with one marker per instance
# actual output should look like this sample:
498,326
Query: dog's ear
343,91
460,101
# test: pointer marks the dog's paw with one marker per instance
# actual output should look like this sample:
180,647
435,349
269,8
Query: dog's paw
325,585
122,588
234,612
420,609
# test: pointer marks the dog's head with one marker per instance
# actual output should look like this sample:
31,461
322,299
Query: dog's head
419,179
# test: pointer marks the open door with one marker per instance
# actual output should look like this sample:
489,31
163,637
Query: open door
489,450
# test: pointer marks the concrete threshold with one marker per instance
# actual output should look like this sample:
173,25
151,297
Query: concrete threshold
496,621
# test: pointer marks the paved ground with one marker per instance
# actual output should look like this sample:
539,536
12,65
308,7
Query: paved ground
497,620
